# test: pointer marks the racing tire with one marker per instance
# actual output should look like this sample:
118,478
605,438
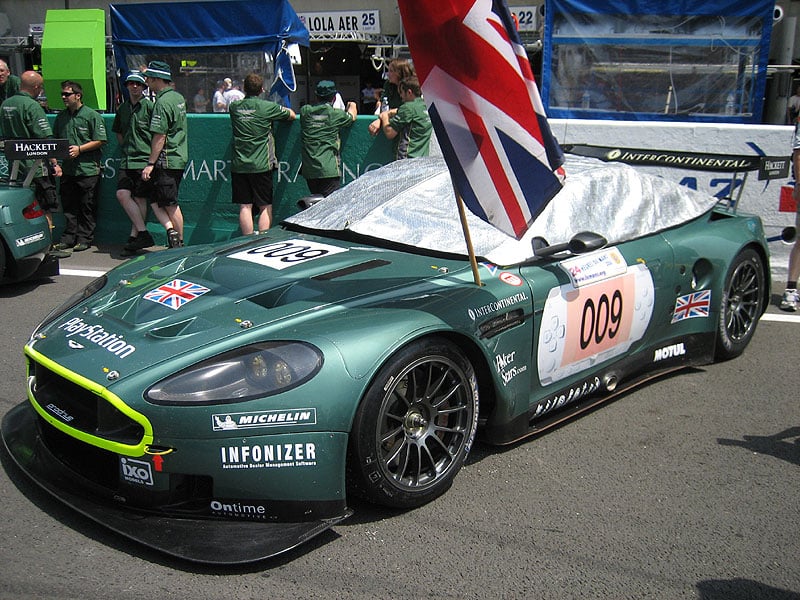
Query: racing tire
415,426
742,304
2,260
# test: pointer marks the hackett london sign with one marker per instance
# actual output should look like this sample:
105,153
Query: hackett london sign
36,148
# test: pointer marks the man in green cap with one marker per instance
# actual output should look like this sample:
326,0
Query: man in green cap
319,126
409,125
254,153
169,150
132,127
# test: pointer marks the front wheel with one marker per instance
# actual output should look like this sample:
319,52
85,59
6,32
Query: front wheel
415,425
741,306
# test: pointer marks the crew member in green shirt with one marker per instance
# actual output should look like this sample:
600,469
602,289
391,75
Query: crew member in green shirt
169,150
9,84
132,127
85,131
410,125
254,153
22,117
319,128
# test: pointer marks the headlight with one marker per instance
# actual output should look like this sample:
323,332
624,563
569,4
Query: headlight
243,374
90,290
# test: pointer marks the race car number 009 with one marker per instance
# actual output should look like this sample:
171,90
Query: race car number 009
280,255
586,325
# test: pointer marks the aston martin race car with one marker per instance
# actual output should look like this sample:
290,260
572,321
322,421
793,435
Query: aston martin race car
24,236
223,403
24,229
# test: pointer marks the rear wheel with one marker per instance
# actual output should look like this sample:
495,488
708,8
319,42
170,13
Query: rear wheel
415,425
742,302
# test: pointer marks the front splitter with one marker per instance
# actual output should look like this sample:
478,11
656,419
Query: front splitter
198,540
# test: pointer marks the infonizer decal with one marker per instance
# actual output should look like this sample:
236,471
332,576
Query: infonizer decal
582,326
269,456
691,306
176,293
281,255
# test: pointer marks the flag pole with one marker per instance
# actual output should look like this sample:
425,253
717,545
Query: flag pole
473,261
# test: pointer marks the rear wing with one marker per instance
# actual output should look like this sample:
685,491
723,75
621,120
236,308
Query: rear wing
768,167
40,150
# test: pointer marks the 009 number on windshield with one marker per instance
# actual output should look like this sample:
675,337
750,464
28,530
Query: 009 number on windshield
283,254
601,319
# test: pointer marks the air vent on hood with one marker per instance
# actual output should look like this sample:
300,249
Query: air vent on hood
172,330
365,266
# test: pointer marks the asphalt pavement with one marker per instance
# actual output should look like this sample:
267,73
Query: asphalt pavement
684,488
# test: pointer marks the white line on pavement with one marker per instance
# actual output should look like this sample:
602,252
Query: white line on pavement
781,318
81,272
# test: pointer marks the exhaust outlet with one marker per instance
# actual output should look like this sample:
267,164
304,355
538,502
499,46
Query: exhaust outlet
610,382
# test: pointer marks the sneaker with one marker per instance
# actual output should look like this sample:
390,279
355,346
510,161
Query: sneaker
60,253
62,246
81,247
790,300
142,240
173,239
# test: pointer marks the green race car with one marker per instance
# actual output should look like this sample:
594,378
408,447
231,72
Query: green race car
24,236
221,403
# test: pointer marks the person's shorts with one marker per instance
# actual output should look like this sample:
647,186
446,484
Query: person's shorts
324,186
166,183
131,180
252,188
46,194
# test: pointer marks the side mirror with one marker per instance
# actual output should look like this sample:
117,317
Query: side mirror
582,242
309,201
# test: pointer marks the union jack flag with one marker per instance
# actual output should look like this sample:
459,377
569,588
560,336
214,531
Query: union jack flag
692,305
176,293
485,108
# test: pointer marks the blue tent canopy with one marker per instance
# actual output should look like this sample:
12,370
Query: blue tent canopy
227,26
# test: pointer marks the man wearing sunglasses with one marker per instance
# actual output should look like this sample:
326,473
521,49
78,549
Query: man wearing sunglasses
86,133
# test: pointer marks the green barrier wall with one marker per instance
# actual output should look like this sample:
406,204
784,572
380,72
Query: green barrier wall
205,193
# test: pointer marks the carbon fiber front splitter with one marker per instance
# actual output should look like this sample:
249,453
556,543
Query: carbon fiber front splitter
198,540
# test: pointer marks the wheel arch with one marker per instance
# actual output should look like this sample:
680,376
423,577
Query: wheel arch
762,252
472,352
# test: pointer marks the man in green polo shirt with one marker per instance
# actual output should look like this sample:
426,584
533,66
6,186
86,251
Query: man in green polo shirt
409,125
9,84
254,153
169,150
86,133
132,127
22,117
319,131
